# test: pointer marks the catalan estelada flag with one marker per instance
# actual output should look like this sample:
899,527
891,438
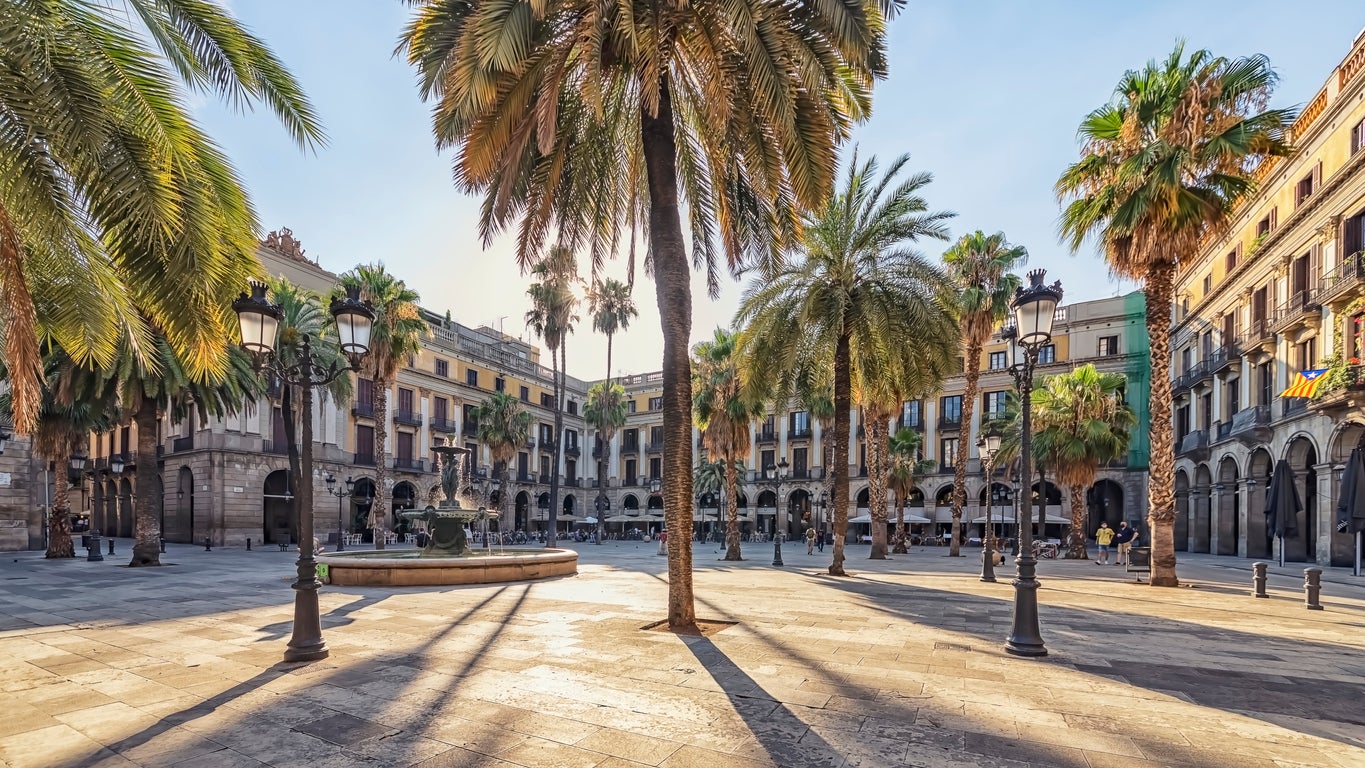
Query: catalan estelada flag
1305,384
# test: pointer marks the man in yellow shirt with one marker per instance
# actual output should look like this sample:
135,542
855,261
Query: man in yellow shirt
1102,537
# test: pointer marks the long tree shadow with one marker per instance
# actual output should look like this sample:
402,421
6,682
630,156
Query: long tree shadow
1330,709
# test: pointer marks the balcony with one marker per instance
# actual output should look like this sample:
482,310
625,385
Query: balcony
409,464
359,408
1259,337
1190,376
544,479
630,482
599,453
804,433
801,473
443,425
1337,285
573,482
949,423
1222,431
407,418
629,447
469,428
364,459
1195,445
655,447
767,436
182,444
1291,407
1226,358
525,477
546,445
572,451
1301,309
1251,425
1349,395
945,469
530,445
275,447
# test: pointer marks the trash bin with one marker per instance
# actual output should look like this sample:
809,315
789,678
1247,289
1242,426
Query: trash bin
85,541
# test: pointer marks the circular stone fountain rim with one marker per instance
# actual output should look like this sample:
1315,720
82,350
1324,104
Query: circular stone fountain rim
354,559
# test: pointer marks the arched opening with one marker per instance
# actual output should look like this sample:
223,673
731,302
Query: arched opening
767,510
543,511
631,502
916,498
180,522
1105,505
1349,435
1302,455
656,502
1227,526
404,497
1182,510
126,513
799,512
362,499
278,524
571,505
1201,518
1259,469
522,511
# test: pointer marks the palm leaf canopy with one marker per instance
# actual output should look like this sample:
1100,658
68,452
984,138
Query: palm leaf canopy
605,408
722,407
398,328
114,205
611,306
1167,160
503,426
1081,423
979,266
544,102
551,315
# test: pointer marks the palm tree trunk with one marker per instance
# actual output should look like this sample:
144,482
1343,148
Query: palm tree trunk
1076,537
1161,471
59,542
964,439
378,510
673,293
552,535
608,379
898,546
876,467
842,403
732,550
147,503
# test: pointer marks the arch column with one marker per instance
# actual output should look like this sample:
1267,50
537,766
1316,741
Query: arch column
1247,487
1296,548
1324,523
1215,523
1199,519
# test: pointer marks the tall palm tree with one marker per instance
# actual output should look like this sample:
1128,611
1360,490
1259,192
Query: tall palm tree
905,452
503,428
709,477
980,267
857,293
606,410
551,317
1163,166
585,121
723,410
612,308
302,314
397,334
1082,423
114,204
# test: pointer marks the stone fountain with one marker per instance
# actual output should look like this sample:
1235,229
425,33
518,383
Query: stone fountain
446,523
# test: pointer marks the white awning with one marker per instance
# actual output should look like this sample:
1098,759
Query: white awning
1008,519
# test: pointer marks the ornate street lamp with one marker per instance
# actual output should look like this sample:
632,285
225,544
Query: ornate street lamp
259,321
116,464
1035,308
986,446
776,473
340,493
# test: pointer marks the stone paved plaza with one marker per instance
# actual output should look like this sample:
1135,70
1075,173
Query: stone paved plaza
900,664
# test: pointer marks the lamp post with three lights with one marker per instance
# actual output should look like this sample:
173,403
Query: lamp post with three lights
987,445
341,494
259,320
1035,309
775,474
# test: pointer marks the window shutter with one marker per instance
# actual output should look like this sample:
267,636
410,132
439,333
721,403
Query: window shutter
1274,221
1317,177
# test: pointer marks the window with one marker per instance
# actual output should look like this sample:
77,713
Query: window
1186,359
471,377
1182,421
364,444
1358,137
999,361
547,434
571,468
404,400
767,459
573,408
403,440
571,438
1264,226
1109,345
1265,374
1048,354
1206,345
1305,188
471,419
526,394
523,465
630,471
443,368
1232,400
1208,284
912,414
1206,411
630,406
630,440
656,436
1305,354
500,384
656,403
1356,342
440,409
948,452
799,468
547,400
1230,262
993,405
656,468
1184,305
798,424
364,394
769,425
950,409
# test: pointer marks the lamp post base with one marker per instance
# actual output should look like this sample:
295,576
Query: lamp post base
987,564
1025,638
306,644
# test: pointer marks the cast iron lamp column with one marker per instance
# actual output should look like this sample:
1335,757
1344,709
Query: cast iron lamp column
259,320
777,473
1035,308
986,446
340,493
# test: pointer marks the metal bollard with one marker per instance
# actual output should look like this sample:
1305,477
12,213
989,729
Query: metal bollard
777,551
248,544
163,546
1258,580
111,545
93,553
207,545
1312,588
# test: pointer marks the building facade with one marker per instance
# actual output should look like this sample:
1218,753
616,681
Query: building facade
1283,291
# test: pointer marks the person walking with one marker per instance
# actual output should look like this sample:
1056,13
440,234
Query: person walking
1103,537
1124,538
810,541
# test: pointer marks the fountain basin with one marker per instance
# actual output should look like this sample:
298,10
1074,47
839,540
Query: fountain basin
375,568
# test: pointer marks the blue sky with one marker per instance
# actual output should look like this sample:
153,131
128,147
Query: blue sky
985,94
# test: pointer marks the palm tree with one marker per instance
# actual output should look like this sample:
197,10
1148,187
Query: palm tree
612,308
709,477
980,267
1082,423
908,464
605,409
302,314
551,317
593,121
1163,167
504,428
396,335
857,294
115,204
723,410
